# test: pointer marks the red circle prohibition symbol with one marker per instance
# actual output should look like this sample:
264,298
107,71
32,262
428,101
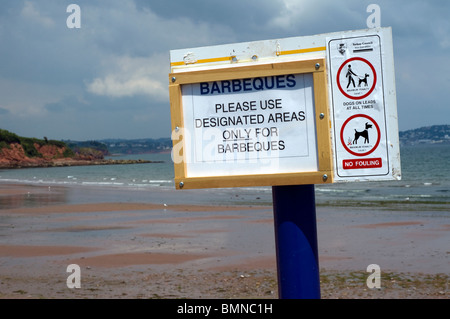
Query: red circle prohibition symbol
378,131
374,78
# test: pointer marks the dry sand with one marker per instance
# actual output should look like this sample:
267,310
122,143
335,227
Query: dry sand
154,250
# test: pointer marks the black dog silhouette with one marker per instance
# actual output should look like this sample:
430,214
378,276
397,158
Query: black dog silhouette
364,134
363,80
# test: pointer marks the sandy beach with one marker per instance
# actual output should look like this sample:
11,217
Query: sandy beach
166,244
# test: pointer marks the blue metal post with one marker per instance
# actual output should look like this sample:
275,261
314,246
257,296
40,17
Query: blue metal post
294,211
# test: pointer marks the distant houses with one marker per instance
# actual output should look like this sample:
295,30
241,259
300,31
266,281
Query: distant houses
436,134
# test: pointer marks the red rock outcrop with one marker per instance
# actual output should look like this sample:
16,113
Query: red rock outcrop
51,155
14,156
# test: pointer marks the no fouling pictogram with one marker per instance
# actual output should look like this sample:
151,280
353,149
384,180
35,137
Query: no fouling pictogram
360,135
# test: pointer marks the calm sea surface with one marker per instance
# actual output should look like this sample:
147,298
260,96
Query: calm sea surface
425,180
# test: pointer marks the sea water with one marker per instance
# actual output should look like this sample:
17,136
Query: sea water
425,179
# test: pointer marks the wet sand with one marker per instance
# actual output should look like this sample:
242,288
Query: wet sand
170,244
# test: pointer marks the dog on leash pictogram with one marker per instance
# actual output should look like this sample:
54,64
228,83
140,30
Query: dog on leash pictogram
356,80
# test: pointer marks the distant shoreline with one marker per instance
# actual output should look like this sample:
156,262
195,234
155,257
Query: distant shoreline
73,162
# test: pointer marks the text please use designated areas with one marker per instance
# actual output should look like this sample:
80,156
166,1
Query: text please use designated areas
249,120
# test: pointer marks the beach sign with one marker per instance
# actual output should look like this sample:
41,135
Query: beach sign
365,134
283,112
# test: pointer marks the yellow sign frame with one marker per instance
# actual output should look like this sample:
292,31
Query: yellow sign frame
317,67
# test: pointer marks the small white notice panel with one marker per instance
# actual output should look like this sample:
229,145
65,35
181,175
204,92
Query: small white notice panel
365,133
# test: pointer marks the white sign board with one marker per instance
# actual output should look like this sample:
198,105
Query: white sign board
365,133
258,125
314,109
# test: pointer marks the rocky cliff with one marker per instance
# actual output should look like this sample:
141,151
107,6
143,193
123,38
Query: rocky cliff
22,152
14,156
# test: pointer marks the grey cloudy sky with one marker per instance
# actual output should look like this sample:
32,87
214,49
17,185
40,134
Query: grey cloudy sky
109,78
